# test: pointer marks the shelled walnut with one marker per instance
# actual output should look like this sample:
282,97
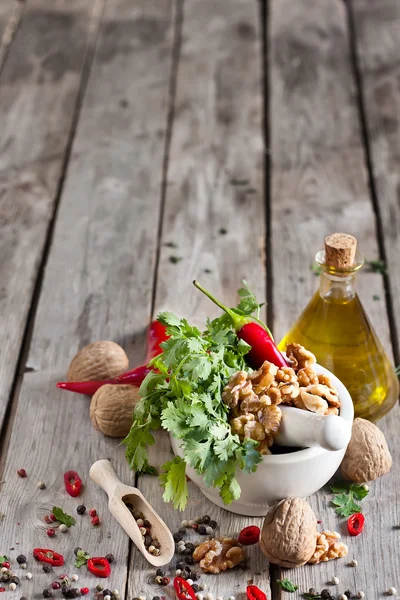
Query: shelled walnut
328,547
253,399
219,554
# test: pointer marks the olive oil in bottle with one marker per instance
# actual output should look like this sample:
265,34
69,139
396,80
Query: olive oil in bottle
335,327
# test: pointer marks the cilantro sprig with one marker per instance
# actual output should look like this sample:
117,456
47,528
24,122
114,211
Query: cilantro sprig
81,558
62,517
183,396
346,494
287,585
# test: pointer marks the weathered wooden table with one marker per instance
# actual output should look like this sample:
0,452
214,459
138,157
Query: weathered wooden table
240,132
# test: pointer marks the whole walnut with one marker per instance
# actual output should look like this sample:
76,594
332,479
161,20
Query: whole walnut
111,409
99,360
367,456
289,534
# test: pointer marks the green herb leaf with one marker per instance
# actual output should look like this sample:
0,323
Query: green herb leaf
248,302
61,516
346,494
174,482
397,371
316,268
287,585
81,558
4,558
377,266
310,596
137,441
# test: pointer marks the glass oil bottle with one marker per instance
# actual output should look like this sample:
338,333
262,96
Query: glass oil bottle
335,327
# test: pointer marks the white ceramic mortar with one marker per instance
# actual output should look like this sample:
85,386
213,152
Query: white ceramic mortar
279,476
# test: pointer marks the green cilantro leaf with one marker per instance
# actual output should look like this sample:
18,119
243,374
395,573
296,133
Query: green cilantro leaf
346,494
287,585
230,489
250,457
3,559
81,558
377,266
316,268
137,441
311,596
61,516
173,479
248,302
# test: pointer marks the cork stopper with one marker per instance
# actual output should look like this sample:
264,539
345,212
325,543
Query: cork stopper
340,250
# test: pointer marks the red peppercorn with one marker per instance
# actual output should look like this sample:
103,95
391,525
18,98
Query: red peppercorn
95,521
22,473
47,519
84,591
6,565
165,580
92,512
195,527
2,589
50,532
55,585
249,535
52,517
65,576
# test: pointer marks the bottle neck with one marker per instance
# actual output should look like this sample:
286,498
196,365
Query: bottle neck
337,288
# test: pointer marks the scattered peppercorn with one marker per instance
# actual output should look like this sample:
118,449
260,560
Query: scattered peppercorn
81,509
55,585
348,594
160,572
47,568
202,530
47,593
206,519
95,521
51,532
84,591
165,580
177,537
15,579
74,593
2,589
12,587
46,519
21,559
189,560
52,517
63,528
110,558
22,473
156,598
29,575
5,578
106,592
6,564
326,595
92,512
23,598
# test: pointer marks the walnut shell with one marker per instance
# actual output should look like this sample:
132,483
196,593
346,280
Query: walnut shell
367,456
112,407
289,534
99,360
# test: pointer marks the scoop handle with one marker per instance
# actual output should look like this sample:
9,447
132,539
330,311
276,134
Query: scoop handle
102,472
302,428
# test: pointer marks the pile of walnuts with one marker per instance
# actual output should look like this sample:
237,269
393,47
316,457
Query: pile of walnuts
253,398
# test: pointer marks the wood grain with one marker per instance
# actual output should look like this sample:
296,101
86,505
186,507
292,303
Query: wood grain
318,185
39,86
214,213
97,285
11,12
377,32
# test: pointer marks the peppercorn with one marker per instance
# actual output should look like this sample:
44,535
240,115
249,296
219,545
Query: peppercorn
47,568
326,595
189,560
23,598
158,579
165,580
51,532
92,512
160,572
21,559
74,593
107,592
95,521
195,587
55,585
213,524
84,591
147,524
99,588
190,546
148,541
182,530
22,473
156,543
47,593
180,565
206,520
81,509
195,576
15,579
5,578
202,530
177,537
188,552
156,598
348,593
198,520
195,527
110,558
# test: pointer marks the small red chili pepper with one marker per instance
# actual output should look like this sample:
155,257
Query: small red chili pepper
254,593
355,524
73,483
99,566
48,556
183,589
254,332
249,535
156,335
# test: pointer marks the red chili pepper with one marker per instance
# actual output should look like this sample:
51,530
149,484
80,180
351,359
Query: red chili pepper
255,333
355,524
249,535
48,556
73,483
183,589
99,566
156,335
254,593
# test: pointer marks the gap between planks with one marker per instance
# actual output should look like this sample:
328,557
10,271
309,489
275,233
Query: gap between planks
11,408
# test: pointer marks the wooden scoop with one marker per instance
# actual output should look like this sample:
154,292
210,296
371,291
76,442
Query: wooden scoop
102,473
304,429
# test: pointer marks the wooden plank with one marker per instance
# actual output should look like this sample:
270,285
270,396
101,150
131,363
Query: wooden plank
318,185
214,213
11,13
97,285
39,86
377,31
